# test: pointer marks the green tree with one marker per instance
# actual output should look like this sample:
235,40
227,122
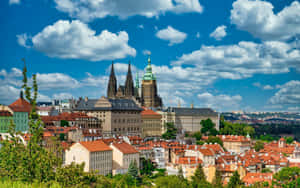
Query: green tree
171,131
287,177
208,127
259,145
199,179
197,135
133,169
214,139
180,173
217,182
64,123
31,162
248,130
289,139
171,181
234,180
147,167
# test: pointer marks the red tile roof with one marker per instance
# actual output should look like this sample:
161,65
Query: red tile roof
20,105
188,160
148,112
94,146
5,113
252,178
125,148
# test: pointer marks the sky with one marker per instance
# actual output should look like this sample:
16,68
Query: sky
226,55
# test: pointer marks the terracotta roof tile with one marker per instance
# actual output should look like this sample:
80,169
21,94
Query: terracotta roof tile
125,147
94,146
20,105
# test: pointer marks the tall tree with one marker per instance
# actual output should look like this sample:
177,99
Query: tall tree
199,178
234,181
217,182
133,169
208,127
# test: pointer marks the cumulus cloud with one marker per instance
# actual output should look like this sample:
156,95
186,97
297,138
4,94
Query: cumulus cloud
219,33
264,87
289,94
11,2
198,35
172,35
8,93
258,18
89,10
23,39
75,40
220,102
242,60
61,96
146,52
57,81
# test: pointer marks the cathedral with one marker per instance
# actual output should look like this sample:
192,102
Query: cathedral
146,94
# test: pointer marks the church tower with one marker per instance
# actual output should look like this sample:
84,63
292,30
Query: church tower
129,88
112,83
149,88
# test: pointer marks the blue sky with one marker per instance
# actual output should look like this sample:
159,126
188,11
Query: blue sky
228,55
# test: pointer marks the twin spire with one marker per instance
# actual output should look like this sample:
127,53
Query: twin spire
127,91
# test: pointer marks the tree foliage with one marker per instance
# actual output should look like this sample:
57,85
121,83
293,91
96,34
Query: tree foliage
259,145
214,139
171,131
133,169
234,180
287,177
171,181
208,127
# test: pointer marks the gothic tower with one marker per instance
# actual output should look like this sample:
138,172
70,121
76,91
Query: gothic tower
149,89
129,88
112,83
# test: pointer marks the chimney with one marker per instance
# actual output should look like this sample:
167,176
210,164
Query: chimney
86,99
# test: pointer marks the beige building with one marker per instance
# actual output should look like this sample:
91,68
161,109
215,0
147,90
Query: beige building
188,119
234,143
123,155
95,154
151,126
118,116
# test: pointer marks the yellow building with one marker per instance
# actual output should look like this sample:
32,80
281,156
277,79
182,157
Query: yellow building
95,154
151,124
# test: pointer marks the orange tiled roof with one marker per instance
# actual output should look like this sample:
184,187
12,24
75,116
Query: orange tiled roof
125,147
5,113
252,178
188,160
20,105
94,146
147,112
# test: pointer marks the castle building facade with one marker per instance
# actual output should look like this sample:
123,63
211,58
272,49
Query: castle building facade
146,94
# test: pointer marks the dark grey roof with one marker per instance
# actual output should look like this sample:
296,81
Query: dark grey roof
117,104
192,111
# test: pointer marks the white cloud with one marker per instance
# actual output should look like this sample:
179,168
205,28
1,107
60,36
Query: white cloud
198,35
172,35
43,98
75,40
141,26
61,96
14,2
289,94
242,60
220,102
264,87
146,52
23,39
258,18
268,87
89,10
219,33
8,93
58,81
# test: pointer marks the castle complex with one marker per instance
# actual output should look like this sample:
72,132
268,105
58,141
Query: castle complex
146,94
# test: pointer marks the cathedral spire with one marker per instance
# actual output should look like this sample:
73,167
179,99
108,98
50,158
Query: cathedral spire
112,83
129,88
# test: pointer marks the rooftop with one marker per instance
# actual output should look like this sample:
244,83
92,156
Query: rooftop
94,146
125,147
20,105
191,111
